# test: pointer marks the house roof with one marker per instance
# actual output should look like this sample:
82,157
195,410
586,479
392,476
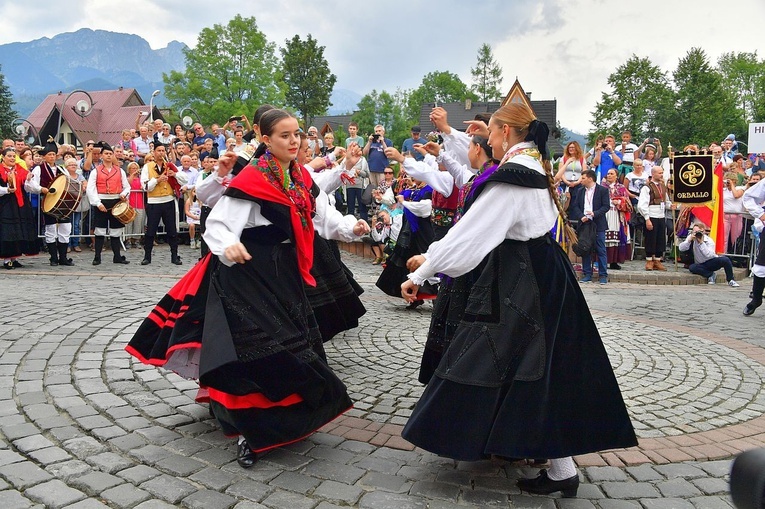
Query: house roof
332,121
113,111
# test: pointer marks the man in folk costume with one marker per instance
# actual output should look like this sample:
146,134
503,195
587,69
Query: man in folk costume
57,230
107,186
18,233
652,202
753,200
162,181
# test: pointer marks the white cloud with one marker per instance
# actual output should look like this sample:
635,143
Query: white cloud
562,49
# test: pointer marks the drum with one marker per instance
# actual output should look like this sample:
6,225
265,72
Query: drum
64,199
124,212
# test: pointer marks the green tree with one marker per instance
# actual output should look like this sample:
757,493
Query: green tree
487,75
7,113
742,73
704,110
232,70
386,109
308,78
640,93
441,87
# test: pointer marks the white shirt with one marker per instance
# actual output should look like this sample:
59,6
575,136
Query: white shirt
501,212
427,171
628,152
649,211
231,216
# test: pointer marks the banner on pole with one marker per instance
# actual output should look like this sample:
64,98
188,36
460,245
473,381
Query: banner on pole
694,179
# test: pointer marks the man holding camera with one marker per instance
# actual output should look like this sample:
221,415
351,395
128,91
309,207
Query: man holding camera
605,155
374,151
705,259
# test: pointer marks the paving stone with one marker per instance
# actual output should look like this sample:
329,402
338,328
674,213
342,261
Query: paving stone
385,482
215,478
716,468
249,489
24,474
711,485
286,459
14,500
619,504
334,471
644,473
485,498
338,492
680,470
279,499
54,494
379,465
96,482
430,489
88,503
678,488
168,488
666,503
179,465
712,502
294,481
384,500
139,474
110,462
83,447
68,470
575,503
629,490
125,495
598,474
209,499
155,504
49,455
32,443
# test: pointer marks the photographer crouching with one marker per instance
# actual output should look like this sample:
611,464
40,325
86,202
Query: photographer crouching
705,259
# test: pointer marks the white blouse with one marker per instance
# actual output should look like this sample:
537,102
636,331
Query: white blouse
231,216
502,211
441,181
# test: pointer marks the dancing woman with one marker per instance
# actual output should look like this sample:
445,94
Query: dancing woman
516,381
243,326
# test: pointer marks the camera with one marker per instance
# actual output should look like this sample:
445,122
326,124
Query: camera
652,141
376,137
604,146
231,119
699,235
379,225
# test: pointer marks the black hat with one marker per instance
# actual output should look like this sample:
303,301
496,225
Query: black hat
158,144
214,152
50,146
104,146
416,129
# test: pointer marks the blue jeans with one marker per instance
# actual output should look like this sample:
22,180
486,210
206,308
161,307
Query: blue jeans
354,197
74,240
709,267
600,250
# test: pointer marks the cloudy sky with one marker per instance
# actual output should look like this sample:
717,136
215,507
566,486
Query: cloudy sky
563,49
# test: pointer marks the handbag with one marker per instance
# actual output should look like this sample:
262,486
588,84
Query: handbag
366,195
586,236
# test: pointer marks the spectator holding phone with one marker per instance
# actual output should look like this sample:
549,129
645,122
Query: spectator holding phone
374,151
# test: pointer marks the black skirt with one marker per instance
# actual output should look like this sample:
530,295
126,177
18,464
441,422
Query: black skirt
335,298
18,229
408,244
525,373
248,333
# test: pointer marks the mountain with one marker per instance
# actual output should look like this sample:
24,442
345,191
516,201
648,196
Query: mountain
568,135
343,101
86,59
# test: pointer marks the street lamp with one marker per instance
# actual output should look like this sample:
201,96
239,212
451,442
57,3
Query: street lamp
20,129
83,108
151,105
186,120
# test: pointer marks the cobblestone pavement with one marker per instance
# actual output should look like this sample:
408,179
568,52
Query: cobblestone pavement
83,425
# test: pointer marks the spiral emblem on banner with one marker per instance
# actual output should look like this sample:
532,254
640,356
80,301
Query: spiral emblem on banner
691,174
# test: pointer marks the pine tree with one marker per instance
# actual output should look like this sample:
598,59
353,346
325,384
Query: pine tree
7,113
487,75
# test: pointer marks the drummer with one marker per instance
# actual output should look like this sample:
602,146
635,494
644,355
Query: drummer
107,186
57,228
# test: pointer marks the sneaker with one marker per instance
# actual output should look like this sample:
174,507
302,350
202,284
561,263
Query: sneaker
712,279
586,279
732,283
603,280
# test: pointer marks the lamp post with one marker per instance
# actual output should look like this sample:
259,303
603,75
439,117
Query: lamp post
83,108
151,105
186,120
20,129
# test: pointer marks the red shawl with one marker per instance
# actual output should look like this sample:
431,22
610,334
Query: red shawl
256,183
21,177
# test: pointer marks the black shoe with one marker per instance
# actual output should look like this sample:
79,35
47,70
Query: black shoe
415,304
16,264
7,265
53,264
615,266
68,262
145,262
121,260
543,485
245,457
176,261
749,308
97,261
